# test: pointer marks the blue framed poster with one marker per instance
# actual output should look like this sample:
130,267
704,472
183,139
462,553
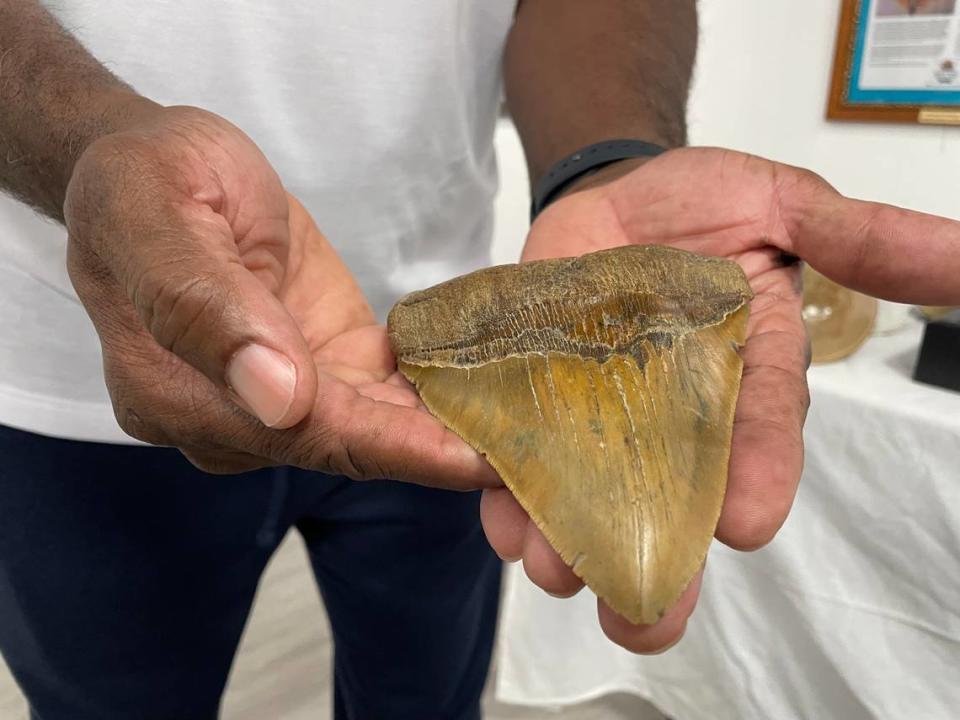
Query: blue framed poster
898,60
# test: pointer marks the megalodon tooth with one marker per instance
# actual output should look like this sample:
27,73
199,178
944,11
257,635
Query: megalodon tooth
602,389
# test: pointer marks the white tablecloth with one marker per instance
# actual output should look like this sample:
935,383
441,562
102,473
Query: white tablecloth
852,612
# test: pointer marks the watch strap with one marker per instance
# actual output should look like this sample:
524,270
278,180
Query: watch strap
584,162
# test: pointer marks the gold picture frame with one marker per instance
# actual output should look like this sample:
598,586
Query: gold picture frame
858,26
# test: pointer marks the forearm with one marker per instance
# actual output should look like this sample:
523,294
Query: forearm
578,72
55,99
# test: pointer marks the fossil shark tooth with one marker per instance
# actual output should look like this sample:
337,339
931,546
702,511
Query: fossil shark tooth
602,389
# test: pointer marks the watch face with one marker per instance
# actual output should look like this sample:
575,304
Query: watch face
838,320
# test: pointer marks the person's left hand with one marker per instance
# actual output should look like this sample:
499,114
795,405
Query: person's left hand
755,212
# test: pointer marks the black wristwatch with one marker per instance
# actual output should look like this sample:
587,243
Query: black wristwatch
584,162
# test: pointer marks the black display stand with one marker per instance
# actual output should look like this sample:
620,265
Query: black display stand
939,361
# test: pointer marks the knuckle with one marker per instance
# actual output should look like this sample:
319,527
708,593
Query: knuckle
132,423
223,463
132,403
359,468
322,448
801,179
159,400
806,175
280,447
179,308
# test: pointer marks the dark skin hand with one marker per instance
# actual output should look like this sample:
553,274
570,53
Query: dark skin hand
752,211
187,252
230,328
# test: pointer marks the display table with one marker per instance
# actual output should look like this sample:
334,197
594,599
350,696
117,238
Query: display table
852,612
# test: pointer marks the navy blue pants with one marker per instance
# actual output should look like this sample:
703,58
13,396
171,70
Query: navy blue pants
126,576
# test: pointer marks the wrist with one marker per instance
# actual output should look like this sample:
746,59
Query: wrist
55,101
603,176
125,109
592,165
112,110
106,112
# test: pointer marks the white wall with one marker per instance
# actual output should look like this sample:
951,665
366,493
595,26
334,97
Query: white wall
762,80
761,85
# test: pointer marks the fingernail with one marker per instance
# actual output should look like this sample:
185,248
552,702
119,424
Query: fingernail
265,380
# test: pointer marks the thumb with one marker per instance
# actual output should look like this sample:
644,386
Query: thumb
884,251
181,267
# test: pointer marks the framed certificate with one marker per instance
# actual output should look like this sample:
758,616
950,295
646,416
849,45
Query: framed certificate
897,61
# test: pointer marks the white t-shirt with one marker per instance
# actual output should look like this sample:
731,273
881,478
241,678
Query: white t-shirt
378,115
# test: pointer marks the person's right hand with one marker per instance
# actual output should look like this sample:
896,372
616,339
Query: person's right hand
230,328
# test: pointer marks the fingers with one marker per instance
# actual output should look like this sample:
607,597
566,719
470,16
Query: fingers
767,450
656,638
881,250
545,568
367,439
161,400
504,522
514,536
204,288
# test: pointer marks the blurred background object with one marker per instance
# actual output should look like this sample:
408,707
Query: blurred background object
838,319
935,312
939,361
